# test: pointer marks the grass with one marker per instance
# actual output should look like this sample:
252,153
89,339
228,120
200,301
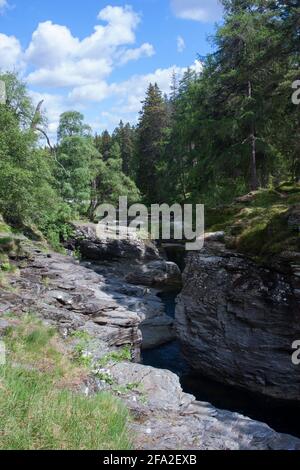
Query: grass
41,406
124,355
6,268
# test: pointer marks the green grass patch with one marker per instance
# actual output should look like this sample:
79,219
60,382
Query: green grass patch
123,355
40,404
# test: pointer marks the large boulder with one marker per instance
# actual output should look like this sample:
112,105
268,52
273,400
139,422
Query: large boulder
156,274
95,248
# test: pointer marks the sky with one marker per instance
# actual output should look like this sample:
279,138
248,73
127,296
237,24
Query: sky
98,57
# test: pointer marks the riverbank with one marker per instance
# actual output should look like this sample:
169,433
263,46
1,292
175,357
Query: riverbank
76,300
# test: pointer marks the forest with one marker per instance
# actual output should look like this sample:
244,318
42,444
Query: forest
231,129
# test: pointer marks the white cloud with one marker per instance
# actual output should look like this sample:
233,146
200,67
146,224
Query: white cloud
125,98
180,44
94,93
205,11
10,53
146,50
62,60
132,91
80,69
71,74
51,44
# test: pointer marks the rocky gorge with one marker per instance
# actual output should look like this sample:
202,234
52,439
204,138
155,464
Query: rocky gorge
110,298
237,320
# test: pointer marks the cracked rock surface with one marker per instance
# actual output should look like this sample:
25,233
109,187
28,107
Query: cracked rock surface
75,298
237,321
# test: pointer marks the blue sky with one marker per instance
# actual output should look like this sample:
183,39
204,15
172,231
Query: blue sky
99,56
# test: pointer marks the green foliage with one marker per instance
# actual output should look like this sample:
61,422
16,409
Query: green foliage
44,189
75,154
27,186
72,125
18,101
6,267
221,132
124,355
39,372
233,127
83,335
259,228
105,377
150,141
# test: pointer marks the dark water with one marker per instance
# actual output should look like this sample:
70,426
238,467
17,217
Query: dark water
280,417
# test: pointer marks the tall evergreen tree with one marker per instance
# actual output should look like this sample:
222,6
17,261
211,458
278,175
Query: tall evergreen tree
151,134
125,136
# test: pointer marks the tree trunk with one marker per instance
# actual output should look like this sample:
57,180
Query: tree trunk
254,180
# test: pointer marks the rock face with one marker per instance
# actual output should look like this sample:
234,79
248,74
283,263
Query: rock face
137,262
237,321
168,419
72,297
77,299
99,249
158,274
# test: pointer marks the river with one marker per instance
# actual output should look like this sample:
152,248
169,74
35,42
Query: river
281,417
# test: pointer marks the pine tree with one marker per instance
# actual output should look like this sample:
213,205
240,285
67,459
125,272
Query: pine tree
125,136
106,142
151,134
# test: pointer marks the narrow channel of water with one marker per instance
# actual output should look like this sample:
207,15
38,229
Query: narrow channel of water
280,417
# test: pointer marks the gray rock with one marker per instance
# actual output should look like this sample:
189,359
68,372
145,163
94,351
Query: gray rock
157,273
93,248
168,419
157,332
237,322
214,236
74,298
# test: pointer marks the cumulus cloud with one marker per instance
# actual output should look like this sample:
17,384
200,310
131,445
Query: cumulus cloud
146,50
131,92
125,98
180,44
78,70
205,11
62,60
51,45
10,53
93,93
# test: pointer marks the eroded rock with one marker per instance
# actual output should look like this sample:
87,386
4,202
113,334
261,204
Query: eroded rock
237,322
158,274
74,298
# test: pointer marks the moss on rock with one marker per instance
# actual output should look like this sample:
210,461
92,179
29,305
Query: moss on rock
264,225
